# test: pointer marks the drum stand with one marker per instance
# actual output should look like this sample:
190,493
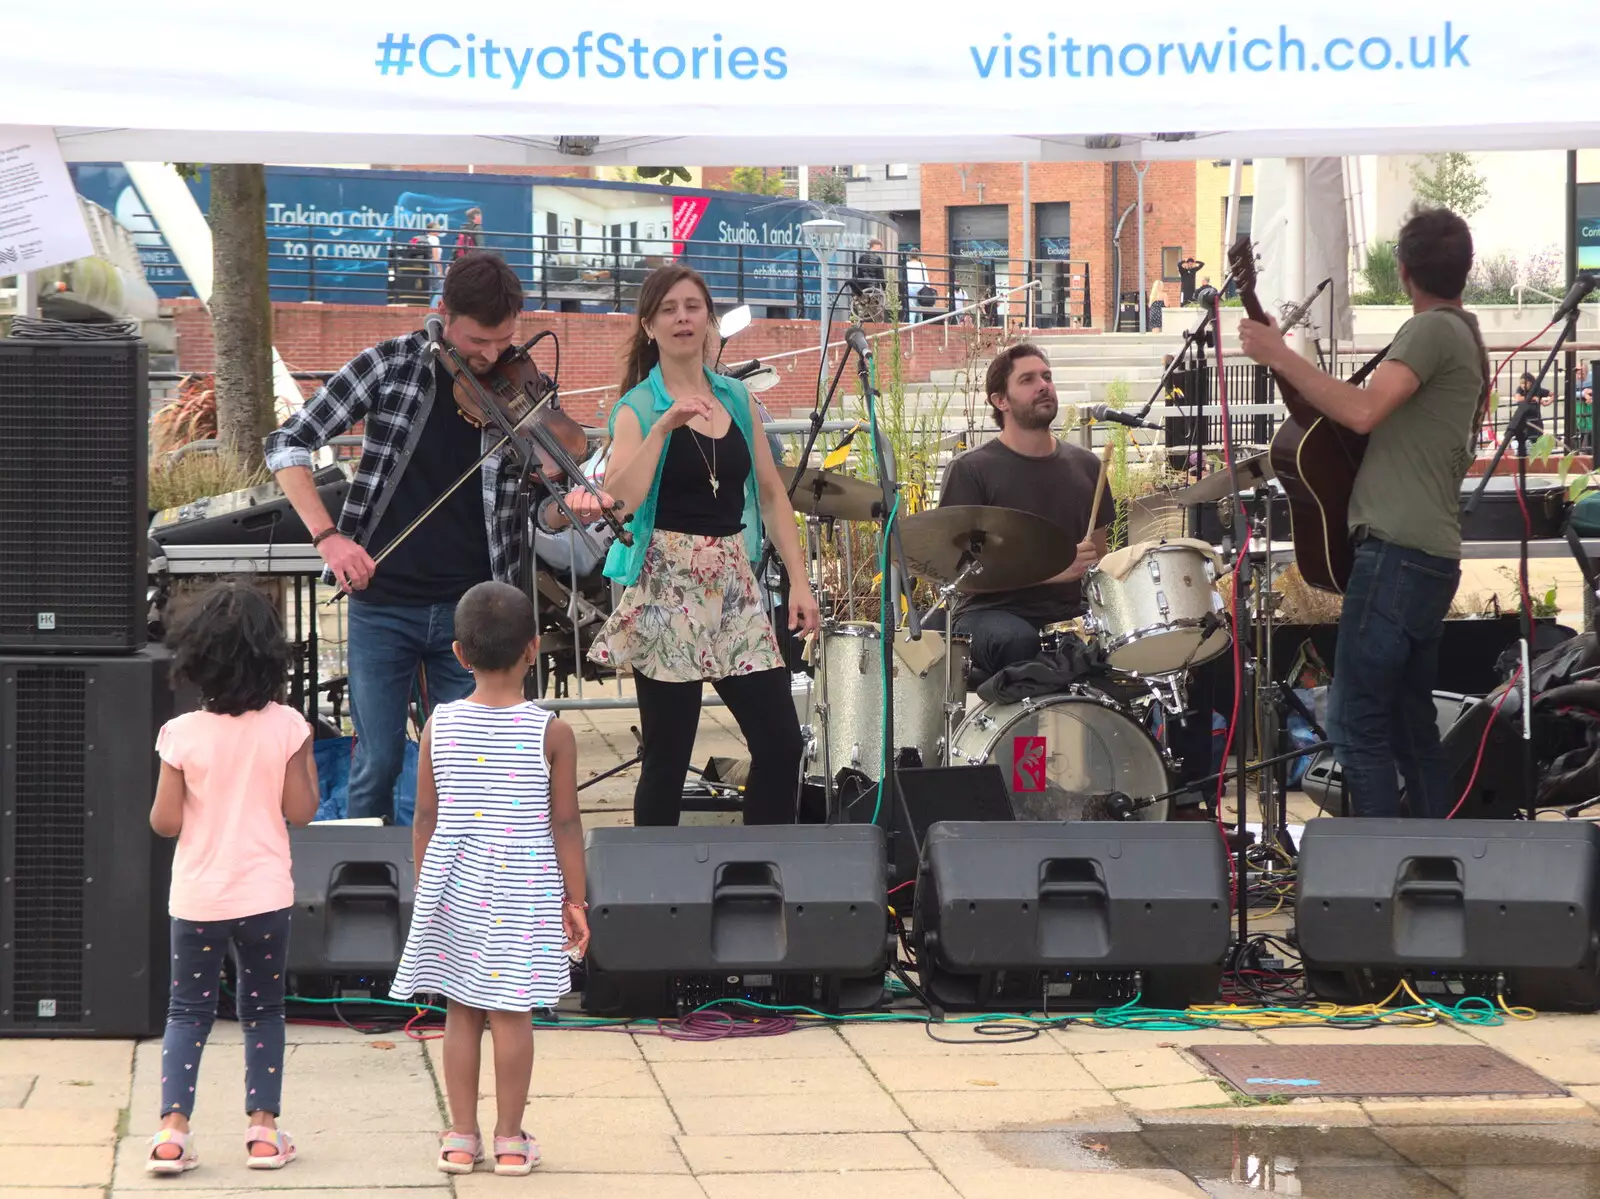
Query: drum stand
953,711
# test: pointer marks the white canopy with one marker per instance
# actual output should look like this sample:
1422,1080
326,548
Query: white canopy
646,83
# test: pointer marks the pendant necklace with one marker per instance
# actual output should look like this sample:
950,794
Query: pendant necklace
711,463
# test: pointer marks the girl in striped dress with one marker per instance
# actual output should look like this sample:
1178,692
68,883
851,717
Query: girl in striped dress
500,886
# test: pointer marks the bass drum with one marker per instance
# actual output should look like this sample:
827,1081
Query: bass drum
1063,755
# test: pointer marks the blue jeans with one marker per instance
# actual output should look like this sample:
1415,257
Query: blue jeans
386,646
1381,715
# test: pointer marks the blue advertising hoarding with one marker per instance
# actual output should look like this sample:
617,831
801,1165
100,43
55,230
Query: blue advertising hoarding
334,234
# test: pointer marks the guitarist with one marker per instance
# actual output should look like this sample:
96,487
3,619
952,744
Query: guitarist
1420,412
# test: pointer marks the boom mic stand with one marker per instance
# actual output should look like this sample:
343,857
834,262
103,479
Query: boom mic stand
1519,427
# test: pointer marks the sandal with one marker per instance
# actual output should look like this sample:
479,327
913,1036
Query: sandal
521,1145
459,1142
278,1139
187,1158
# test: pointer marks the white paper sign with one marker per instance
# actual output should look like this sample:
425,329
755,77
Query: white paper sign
41,223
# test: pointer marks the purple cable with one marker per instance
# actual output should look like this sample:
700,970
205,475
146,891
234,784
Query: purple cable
717,1026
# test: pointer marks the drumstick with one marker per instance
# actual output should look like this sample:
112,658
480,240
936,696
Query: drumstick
1099,489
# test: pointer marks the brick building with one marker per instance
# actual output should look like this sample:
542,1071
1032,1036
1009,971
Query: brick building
975,210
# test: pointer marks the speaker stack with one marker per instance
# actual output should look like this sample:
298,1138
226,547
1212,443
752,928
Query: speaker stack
83,880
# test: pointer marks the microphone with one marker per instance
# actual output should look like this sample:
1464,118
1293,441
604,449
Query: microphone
857,341
1584,284
435,330
1117,417
1293,316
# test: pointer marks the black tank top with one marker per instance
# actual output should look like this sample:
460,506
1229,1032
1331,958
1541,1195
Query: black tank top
686,502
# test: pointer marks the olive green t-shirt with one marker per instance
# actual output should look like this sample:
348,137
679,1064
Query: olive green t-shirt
1408,490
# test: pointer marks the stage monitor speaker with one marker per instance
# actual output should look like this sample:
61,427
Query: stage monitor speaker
83,880
777,914
1323,780
927,795
1457,907
1058,915
354,889
74,418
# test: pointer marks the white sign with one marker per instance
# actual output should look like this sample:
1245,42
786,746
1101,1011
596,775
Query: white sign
41,223
639,81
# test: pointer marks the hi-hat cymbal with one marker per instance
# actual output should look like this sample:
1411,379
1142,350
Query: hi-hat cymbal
825,493
1015,548
1218,484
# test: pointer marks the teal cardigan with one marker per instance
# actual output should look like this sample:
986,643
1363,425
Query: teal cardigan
648,401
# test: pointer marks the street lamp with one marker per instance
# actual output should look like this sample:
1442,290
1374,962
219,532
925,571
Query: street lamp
822,235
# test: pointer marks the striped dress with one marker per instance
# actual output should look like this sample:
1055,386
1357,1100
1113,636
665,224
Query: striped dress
486,925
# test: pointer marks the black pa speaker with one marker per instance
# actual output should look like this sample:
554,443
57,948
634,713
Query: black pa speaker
354,889
1457,907
777,914
926,796
1054,915
83,880
74,495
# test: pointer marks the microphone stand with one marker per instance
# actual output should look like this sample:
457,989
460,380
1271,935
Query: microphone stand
896,576
1189,338
1519,427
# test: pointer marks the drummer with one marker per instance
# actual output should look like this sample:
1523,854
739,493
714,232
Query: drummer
1026,467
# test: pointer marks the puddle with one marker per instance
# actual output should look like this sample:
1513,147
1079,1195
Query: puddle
1480,1162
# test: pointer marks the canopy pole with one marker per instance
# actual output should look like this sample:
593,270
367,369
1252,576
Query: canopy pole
1230,226
1027,249
1139,168
1294,244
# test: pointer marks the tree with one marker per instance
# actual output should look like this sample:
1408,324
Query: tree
1450,181
758,181
241,308
827,188
664,175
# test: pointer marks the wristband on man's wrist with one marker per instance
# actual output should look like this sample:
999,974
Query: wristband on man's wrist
330,531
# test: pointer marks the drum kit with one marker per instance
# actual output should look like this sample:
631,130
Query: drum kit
1154,613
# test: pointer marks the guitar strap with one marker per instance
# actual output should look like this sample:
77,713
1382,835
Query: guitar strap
1483,362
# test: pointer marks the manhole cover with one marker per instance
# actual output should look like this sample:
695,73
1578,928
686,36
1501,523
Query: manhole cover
1372,1071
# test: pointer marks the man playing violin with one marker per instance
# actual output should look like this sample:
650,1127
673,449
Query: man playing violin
415,444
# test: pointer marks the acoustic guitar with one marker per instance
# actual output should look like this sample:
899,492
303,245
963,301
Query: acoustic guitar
1315,460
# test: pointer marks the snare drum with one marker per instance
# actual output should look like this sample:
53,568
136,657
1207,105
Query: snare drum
849,693
1063,754
1154,608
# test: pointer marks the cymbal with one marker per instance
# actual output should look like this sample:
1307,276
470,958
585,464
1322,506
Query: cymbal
1218,485
825,493
1016,549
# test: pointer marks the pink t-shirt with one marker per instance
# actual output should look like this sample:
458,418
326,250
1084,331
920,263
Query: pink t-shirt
232,859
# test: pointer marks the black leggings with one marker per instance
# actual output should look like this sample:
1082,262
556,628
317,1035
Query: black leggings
669,714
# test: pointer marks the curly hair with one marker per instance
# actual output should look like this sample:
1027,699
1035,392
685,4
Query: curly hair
229,643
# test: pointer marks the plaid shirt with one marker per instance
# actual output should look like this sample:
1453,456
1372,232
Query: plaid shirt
391,387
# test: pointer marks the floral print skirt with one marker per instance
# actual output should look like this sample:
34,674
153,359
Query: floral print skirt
695,613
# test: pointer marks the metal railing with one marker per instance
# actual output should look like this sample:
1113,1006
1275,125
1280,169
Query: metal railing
593,273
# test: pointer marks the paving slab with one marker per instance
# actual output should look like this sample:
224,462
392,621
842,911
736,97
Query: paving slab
1565,1049
1066,1152
838,1077
1175,1096
1120,1069
605,1077
71,1126
14,1089
57,1165
866,1111
484,1185
962,1072
584,1136
899,1040
843,1151
71,1072
959,1111
1452,1112
50,1192
1295,1114
1009,1183
439,1191
867,1184
1493,1182
808,1043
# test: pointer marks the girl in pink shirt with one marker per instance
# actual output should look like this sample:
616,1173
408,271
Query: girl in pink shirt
231,774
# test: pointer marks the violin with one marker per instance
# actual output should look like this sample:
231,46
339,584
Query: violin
513,397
